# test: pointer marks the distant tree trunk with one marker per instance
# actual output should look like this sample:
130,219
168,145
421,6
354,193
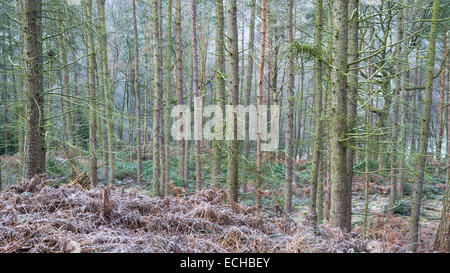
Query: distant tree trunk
4,96
220,85
92,95
327,107
129,108
339,205
353,49
404,78
157,65
259,102
423,141
299,147
21,82
179,81
65,75
233,87
109,95
395,119
197,98
76,117
268,94
16,131
441,106
318,108
188,142
415,100
290,114
366,163
138,97
442,241
30,12
102,141
167,99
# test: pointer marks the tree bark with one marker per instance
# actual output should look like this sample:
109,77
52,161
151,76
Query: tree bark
109,95
233,90
259,102
92,94
423,141
30,12
290,114
179,82
220,85
353,49
441,105
157,101
138,97
395,121
248,89
4,97
197,98
167,99
318,108
442,241
339,189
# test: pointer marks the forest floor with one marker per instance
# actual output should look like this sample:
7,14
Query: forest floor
40,215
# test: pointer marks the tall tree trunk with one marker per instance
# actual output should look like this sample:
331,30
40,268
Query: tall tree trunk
339,205
4,96
442,241
138,97
327,107
15,90
259,102
233,87
76,116
220,85
441,105
353,49
423,141
268,93
92,95
30,12
197,99
109,95
179,81
167,99
157,101
318,108
290,114
397,103
188,142
299,147
404,78
65,75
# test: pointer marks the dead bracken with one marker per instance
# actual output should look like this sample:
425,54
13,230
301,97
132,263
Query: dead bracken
38,216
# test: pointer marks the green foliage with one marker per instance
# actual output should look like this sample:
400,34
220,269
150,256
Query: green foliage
311,50
433,175
304,173
403,207
58,168
147,170
82,130
126,170
429,191
407,189
361,167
